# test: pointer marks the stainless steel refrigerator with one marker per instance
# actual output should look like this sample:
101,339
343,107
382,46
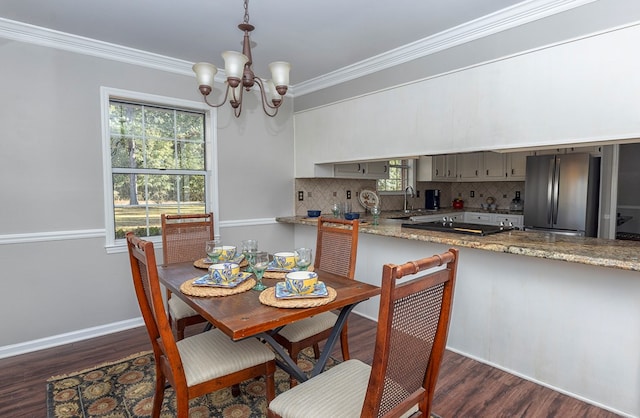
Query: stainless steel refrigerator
562,194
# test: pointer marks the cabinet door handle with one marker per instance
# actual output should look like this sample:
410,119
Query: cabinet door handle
513,171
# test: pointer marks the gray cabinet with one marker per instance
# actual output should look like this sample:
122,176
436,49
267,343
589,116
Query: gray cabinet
364,170
517,165
493,167
444,167
469,166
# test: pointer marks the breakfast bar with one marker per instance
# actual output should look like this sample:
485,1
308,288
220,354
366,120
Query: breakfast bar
560,311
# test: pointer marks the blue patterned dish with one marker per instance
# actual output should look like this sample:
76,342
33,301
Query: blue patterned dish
273,266
207,282
320,291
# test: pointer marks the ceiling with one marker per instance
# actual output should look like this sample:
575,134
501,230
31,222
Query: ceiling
316,37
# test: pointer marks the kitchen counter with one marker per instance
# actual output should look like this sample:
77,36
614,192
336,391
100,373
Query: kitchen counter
618,254
558,310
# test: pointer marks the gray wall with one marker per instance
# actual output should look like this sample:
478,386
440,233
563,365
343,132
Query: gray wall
59,283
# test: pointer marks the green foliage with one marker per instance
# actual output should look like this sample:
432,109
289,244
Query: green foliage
152,231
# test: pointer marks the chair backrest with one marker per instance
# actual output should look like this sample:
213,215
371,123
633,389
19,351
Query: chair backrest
413,324
337,246
184,236
145,280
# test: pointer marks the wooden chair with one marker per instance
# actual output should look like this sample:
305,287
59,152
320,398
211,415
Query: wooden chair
196,365
413,324
336,251
183,239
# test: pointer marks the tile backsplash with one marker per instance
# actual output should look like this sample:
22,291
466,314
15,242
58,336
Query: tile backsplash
320,194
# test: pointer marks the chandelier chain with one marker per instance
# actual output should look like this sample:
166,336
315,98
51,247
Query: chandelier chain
246,11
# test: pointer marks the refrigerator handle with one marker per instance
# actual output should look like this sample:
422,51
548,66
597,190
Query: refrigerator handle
556,190
550,184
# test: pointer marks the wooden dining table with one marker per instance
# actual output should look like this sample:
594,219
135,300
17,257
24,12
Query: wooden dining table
242,315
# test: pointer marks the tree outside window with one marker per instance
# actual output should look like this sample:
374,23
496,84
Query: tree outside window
398,177
157,165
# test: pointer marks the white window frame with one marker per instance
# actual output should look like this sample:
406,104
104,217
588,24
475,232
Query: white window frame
113,245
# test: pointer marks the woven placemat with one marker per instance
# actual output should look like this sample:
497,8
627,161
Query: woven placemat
203,291
279,274
203,264
268,297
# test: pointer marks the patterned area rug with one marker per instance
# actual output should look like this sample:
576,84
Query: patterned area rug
124,389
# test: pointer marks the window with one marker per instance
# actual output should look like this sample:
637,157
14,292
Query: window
157,164
400,176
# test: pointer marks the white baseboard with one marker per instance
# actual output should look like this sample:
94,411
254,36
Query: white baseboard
70,337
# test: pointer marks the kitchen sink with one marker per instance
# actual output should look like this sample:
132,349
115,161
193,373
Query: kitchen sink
402,217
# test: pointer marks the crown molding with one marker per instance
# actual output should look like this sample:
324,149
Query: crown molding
23,32
501,20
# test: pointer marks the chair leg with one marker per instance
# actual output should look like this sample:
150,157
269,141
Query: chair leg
158,396
344,343
316,351
179,331
271,386
235,390
293,353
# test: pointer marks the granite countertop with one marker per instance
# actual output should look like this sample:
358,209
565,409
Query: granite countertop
619,254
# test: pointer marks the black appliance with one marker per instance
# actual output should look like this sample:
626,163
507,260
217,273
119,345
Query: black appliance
458,227
432,199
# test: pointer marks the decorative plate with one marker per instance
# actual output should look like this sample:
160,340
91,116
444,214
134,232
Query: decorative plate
273,266
368,199
206,281
320,291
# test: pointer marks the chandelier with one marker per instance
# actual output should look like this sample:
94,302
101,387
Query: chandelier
240,76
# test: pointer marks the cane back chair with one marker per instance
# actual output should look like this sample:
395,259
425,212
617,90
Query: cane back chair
183,239
195,365
336,251
413,323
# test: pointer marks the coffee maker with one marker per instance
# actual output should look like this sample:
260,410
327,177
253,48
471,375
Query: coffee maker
432,199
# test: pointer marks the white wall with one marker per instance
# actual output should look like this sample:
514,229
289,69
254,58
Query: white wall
58,282
574,92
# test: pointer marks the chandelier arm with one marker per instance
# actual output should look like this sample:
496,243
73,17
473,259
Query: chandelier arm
226,94
265,100
237,83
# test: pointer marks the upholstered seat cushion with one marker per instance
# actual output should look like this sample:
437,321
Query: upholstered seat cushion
305,328
338,392
178,309
212,354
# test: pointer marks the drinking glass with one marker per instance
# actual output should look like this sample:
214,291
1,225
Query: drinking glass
375,211
259,262
303,258
214,249
336,210
248,246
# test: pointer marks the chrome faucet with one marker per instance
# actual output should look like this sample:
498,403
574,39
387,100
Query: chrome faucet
405,197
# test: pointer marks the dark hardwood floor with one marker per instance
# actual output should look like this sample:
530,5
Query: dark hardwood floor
466,388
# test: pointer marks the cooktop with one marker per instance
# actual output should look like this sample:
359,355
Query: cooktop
458,227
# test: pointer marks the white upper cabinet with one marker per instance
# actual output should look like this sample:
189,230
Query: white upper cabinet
364,170
517,165
494,166
469,166
444,167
